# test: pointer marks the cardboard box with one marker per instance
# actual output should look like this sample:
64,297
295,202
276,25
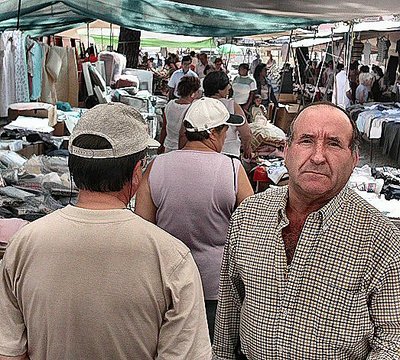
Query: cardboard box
285,116
287,98
59,128
39,110
36,148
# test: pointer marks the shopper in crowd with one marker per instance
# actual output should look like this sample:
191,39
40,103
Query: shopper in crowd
195,60
244,88
188,90
341,88
191,193
378,85
264,87
94,280
216,85
258,109
311,271
219,66
178,75
270,62
353,79
362,91
201,64
328,76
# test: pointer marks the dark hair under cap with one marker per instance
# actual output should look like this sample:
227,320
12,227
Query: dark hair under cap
215,81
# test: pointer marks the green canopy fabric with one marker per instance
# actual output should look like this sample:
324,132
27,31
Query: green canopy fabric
156,42
42,17
229,49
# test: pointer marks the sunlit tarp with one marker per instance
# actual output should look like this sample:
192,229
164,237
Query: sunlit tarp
41,16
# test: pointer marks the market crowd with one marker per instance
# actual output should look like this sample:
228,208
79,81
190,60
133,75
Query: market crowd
203,268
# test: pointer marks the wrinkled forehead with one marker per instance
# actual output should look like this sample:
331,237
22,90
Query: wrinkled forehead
323,120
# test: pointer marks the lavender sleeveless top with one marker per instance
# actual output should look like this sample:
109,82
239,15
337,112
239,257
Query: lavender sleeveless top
195,195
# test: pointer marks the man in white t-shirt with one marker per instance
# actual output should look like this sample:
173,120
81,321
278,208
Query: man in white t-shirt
178,75
341,88
244,88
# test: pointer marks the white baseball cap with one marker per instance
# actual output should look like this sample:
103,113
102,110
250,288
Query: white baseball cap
207,113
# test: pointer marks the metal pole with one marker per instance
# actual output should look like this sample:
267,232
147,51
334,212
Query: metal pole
320,73
111,47
280,87
88,34
19,13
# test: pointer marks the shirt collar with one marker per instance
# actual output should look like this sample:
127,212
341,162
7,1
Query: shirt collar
326,213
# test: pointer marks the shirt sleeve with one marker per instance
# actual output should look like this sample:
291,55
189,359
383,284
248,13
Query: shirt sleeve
184,332
12,328
253,86
385,314
231,296
172,82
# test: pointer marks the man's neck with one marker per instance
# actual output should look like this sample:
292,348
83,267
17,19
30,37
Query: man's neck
101,201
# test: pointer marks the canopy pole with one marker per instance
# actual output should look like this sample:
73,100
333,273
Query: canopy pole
88,34
19,13
280,87
303,87
320,73
349,46
111,46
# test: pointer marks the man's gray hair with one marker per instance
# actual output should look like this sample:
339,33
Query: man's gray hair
355,138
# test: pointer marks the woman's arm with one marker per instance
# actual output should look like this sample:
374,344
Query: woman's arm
244,132
144,206
244,188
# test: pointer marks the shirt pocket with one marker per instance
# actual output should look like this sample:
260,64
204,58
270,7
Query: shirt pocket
341,317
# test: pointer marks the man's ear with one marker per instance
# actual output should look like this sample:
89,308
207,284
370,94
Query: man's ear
136,176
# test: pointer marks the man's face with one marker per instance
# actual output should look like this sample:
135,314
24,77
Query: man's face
319,159
186,65
243,71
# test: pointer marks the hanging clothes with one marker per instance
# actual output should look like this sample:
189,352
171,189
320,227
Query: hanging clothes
13,70
21,69
357,50
35,63
8,42
60,75
367,53
383,45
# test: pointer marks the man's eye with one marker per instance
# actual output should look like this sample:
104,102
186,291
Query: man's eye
334,144
305,141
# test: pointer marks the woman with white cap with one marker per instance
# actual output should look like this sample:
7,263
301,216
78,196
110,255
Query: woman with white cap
192,193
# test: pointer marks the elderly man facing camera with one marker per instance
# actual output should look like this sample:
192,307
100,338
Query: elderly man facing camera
311,271
95,281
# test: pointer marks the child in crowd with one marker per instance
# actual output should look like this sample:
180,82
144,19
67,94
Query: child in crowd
257,109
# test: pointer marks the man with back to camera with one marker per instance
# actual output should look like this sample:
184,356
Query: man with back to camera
178,75
311,271
95,281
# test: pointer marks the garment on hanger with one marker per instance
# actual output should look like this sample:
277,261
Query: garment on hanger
383,45
13,70
60,75
35,63
367,53
357,50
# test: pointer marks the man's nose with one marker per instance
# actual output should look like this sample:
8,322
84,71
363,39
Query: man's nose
318,155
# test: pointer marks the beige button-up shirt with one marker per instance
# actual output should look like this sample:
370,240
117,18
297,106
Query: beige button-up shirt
340,299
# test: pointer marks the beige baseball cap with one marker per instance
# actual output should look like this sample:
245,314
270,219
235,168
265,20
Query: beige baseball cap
120,124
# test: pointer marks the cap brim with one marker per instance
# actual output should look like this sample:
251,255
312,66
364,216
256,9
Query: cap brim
235,120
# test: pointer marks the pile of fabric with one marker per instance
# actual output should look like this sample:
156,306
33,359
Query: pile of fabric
30,189
267,138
